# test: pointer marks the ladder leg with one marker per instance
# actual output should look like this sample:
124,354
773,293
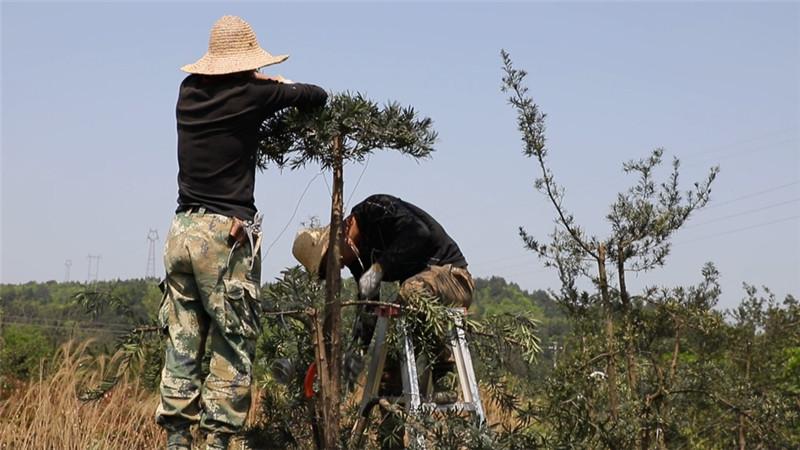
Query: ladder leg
466,372
411,386
376,363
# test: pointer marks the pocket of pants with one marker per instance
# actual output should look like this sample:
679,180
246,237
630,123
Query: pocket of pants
164,308
242,308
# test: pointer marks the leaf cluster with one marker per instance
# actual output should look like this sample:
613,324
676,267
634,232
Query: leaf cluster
357,125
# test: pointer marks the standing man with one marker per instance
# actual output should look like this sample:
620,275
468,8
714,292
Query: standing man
388,239
212,254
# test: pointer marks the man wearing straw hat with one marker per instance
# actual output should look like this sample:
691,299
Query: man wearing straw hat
212,254
389,239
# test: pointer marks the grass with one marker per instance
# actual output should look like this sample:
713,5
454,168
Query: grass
46,414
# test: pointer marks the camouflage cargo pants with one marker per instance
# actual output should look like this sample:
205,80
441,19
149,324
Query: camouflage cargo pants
211,304
452,286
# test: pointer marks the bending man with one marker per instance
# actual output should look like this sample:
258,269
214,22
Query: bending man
388,239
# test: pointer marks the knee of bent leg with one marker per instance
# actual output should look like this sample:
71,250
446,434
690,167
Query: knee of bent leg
415,289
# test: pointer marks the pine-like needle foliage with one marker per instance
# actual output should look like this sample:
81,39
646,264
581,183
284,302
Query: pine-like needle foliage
295,138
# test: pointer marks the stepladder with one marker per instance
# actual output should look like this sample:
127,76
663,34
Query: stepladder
417,392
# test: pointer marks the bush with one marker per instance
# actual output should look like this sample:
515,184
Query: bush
24,348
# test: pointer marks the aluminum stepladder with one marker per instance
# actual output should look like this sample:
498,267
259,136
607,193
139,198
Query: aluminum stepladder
412,398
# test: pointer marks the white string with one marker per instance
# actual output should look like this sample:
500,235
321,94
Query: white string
330,193
347,204
289,222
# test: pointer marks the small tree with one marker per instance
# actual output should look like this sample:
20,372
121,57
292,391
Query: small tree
501,345
348,128
643,220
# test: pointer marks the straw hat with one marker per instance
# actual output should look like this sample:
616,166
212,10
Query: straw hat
310,246
232,47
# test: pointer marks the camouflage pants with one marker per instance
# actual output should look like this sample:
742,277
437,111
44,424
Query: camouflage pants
452,286
209,305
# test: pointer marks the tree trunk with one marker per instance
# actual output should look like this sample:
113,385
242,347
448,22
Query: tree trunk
630,351
742,418
331,389
319,411
611,368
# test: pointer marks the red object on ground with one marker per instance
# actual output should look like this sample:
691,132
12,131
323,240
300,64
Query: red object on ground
308,381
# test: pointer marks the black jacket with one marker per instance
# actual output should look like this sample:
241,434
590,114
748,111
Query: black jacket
403,238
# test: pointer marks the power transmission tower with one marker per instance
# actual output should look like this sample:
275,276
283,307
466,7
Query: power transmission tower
92,276
152,237
67,266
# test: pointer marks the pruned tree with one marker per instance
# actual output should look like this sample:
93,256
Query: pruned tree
348,128
288,418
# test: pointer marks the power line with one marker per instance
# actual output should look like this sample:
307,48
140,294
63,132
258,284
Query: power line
693,159
737,230
753,194
749,211
727,147
492,262
728,154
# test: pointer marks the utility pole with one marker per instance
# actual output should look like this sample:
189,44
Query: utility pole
67,266
150,270
555,348
93,276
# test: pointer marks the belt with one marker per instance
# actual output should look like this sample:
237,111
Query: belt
193,209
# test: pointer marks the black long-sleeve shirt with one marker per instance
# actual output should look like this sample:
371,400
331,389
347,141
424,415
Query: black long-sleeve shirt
218,124
403,238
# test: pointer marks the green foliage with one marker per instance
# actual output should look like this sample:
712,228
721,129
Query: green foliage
286,350
62,311
661,369
140,354
502,342
24,349
295,138
495,296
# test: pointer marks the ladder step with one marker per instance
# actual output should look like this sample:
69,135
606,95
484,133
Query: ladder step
462,406
458,406
413,400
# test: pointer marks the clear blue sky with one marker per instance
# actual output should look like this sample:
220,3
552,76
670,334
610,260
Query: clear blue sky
88,132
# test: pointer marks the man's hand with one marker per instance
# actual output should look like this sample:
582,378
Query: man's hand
370,283
276,78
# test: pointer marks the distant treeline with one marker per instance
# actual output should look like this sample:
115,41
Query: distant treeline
36,317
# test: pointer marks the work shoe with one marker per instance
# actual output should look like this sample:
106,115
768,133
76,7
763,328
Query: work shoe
217,441
179,440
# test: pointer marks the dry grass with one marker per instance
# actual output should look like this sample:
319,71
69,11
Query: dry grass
46,414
